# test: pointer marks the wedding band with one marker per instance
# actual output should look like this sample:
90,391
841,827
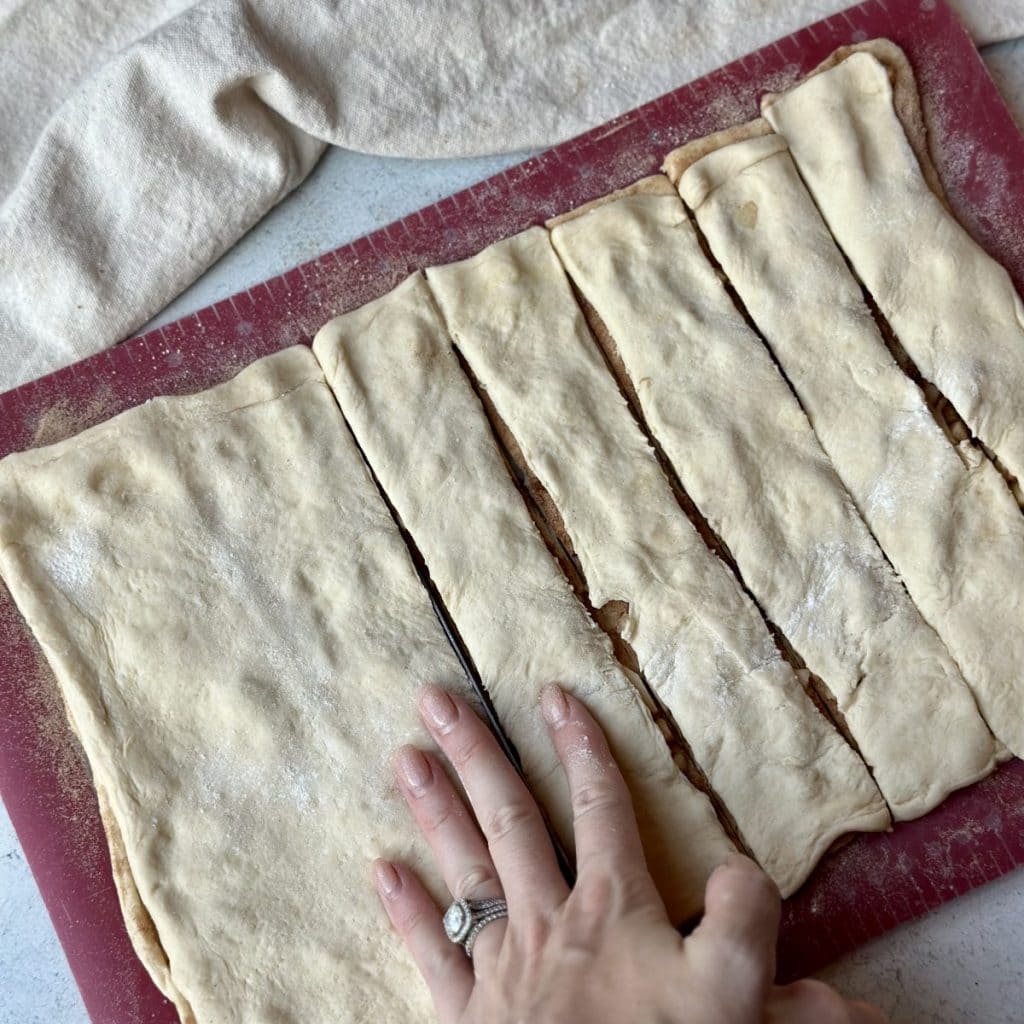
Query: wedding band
464,920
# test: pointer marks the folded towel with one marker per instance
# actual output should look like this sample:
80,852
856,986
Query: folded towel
140,140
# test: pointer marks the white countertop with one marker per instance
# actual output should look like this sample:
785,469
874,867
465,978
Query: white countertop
962,963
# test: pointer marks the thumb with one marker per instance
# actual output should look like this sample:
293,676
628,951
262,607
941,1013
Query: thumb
741,922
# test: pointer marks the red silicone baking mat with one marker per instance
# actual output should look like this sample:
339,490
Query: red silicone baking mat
870,885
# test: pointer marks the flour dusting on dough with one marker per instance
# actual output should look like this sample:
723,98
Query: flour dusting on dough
892,486
71,563
835,564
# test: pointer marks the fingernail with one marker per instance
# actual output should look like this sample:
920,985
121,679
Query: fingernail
386,878
438,707
554,706
415,769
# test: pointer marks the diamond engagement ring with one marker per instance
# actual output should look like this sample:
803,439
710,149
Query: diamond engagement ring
464,920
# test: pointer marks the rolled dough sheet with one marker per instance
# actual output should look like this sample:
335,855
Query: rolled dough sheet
237,630
953,308
748,457
789,780
426,436
941,513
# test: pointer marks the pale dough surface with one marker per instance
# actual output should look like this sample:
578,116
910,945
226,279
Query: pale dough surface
953,308
746,454
238,632
789,780
942,514
425,434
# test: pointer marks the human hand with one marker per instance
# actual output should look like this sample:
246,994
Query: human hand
604,951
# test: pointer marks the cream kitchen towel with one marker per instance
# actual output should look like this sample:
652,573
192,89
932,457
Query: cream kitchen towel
139,140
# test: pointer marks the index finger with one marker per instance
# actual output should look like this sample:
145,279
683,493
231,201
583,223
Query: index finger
603,817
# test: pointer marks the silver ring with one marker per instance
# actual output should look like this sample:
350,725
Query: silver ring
465,919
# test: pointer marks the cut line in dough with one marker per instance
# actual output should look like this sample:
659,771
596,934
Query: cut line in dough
747,455
425,434
941,513
701,644
952,307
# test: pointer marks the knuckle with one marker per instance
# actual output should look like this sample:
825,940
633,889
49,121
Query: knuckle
635,888
438,815
742,881
593,895
464,745
409,920
477,881
529,935
506,820
593,798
